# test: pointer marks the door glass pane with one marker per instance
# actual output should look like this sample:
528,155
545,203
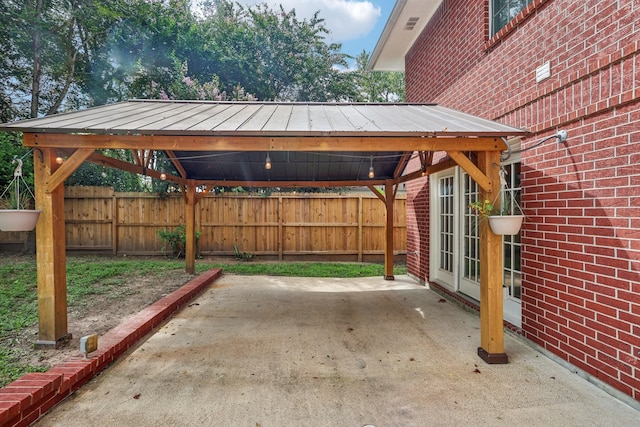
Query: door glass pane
471,232
513,244
446,223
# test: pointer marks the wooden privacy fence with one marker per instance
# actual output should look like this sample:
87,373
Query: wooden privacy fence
283,226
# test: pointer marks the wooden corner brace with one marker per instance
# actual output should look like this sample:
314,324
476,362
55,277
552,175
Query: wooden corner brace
476,174
67,168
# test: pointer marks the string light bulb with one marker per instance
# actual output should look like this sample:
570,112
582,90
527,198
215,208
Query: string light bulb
163,175
267,163
59,159
372,173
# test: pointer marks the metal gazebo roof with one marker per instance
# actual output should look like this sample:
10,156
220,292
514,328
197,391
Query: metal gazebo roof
361,135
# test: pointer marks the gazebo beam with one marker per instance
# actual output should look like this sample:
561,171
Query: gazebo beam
267,143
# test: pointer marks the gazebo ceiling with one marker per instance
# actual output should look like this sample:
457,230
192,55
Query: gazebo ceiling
326,143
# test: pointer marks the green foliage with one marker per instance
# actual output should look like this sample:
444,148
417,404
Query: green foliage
508,206
377,86
310,269
242,256
176,239
60,55
51,56
11,147
11,368
92,174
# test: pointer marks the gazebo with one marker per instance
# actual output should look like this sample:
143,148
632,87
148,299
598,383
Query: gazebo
263,144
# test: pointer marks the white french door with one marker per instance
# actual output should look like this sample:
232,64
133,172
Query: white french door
455,240
444,220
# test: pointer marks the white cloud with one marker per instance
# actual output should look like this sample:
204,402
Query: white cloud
346,19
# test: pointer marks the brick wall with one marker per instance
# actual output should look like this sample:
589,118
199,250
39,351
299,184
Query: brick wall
581,240
417,224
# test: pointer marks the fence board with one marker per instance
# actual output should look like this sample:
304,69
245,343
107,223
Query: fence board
283,225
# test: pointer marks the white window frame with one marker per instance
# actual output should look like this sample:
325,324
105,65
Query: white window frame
512,14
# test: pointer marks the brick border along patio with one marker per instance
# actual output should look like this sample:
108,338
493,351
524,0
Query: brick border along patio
28,398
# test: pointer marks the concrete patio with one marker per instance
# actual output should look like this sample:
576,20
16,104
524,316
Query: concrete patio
273,351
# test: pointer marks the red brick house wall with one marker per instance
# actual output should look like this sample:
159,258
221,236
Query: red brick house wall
581,239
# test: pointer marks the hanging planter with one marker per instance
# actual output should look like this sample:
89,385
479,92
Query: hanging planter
504,218
18,218
506,224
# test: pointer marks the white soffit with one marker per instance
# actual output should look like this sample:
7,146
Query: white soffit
407,20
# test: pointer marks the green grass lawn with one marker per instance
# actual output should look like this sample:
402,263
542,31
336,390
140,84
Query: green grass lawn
92,276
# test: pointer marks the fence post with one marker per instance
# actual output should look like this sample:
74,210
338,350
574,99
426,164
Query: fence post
360,220
280,230
114,223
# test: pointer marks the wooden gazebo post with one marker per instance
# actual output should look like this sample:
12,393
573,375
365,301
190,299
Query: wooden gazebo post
190,220
491,348
389,198
50,253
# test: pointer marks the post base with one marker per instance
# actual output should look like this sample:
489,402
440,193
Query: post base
389,278
42,344
493,358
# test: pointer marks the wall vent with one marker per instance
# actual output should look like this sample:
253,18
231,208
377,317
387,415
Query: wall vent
411,23
543,72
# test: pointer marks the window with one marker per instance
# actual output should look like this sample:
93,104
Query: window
503,11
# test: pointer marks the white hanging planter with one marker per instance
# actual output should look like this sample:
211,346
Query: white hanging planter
18,219
506,224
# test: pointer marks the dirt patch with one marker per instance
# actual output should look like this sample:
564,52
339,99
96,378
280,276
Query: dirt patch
100,314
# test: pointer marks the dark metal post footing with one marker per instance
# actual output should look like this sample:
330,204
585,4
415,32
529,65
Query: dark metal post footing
493,358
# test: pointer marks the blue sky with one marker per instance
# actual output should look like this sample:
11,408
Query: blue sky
357,24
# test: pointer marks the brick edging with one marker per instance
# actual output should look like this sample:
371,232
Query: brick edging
29,397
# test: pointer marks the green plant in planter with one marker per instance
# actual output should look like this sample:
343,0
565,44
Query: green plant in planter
24,201
176,240
485,208
504,220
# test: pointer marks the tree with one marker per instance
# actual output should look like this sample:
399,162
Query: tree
272,53
97,175
50,50
377,86
68,54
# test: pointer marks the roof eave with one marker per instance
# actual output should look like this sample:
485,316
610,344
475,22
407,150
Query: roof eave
395,40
